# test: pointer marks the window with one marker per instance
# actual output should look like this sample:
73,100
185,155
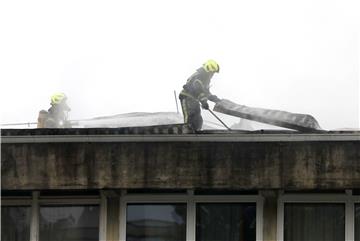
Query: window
53,217
75,223
162,222
225,221
180,217
314,221
357,222
318,217
15,223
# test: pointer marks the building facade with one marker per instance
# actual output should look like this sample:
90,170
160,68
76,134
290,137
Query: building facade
165,183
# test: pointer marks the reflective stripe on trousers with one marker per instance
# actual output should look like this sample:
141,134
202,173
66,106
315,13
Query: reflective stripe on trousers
184,109
192,113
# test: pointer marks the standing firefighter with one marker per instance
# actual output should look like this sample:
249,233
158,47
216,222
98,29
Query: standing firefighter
196,91
57,115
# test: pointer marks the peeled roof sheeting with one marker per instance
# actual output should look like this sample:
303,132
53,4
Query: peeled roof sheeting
295,121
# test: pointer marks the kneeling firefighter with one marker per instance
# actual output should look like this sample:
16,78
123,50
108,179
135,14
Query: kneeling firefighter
196,91
57,114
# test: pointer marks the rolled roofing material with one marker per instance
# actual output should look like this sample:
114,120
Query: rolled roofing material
300,122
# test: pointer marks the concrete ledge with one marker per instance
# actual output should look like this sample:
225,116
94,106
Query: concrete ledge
190,163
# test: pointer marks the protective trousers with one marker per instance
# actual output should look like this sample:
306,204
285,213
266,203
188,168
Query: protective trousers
192,113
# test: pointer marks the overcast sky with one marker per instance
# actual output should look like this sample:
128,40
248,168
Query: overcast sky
113,57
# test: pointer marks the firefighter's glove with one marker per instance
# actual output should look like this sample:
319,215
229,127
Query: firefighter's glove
214,98
205,105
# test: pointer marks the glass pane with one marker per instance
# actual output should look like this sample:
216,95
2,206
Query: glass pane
314,221
156,222
15,223
357,222
225,222
69,223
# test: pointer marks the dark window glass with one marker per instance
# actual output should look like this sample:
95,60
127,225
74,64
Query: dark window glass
357,222
15,223
225,222
160,222
314,221
69,223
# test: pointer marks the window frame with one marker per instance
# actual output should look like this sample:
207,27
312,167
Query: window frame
25,201
356,200
190,200
35,201
347,198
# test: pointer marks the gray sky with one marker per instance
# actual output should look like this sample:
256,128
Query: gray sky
113,57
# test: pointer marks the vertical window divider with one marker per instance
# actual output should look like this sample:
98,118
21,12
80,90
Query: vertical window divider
102,216
259,217
280,218
190,216
122,222
349,217
34,224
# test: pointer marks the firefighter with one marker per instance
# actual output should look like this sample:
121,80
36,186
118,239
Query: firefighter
196,91
57,115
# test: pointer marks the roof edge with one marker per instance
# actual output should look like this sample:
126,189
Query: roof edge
222,137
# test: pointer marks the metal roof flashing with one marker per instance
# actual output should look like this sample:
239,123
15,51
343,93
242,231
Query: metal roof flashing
168,133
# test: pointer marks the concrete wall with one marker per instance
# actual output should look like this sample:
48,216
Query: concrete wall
225,165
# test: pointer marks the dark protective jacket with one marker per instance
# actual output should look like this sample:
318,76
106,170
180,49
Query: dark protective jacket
198,85
57,116
59,111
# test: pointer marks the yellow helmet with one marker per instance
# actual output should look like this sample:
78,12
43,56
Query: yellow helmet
58,98
211,66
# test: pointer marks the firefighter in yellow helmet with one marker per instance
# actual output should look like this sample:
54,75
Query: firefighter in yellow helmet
196,91
57,115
